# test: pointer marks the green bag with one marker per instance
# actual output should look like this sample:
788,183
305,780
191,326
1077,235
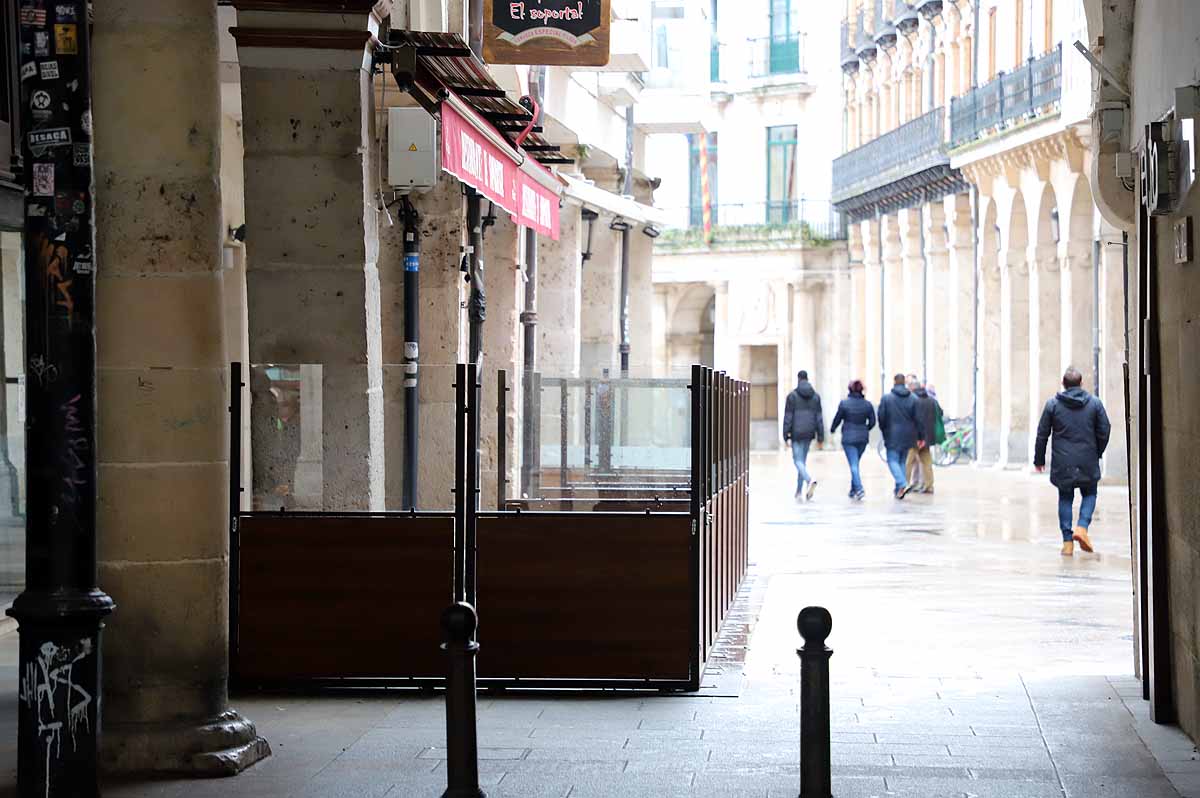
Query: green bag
939,426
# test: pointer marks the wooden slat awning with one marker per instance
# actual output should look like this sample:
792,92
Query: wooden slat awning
441,63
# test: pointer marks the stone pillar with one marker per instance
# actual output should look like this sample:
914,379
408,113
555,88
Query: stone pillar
873,369
1078,315
311,211
1112,351
1014,358
600,315
1045,369
503,345
987,404
559,296
896,316
939,297
910,305
960,325
725,346
163,394
641,303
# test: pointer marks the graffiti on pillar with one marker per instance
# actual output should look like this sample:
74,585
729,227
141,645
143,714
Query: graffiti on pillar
53,257
49,691
75,467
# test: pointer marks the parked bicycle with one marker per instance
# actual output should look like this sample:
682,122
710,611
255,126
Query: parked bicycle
960,440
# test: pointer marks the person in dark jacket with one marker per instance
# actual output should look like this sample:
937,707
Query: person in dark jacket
898,422
802,422
858,417
1079,427
920,458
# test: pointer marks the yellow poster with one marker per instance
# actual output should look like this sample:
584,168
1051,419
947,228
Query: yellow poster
66,42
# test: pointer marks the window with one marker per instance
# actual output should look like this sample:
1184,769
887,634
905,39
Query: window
1048,27
992,22
781,174
662,58
783,47
695,195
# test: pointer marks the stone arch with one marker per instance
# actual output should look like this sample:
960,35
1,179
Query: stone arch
691,327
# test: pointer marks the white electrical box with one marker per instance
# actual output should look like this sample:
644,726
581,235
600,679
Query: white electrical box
413,152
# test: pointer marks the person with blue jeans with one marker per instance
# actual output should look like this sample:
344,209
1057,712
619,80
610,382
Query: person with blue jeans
1078,427
802,422
856,416
898,422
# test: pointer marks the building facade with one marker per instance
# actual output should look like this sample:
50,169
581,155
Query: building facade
750,272
979,255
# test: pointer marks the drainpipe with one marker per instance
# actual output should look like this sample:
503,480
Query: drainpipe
61,611
1096,316
412,337
883,383
975,326
477,302
924,300
529,316
627,190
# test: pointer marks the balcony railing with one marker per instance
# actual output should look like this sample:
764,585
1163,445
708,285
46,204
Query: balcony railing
799,219
885,31
777,55
849,57
907,150
1008,99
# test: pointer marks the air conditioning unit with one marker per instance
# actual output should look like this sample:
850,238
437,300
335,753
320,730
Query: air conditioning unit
414,157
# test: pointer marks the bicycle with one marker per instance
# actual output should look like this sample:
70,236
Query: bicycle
960,440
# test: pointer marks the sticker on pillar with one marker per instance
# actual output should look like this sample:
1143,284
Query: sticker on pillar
33,17
82,155
49,70
41,43
85,121
40,101
28,70
563,32
66,40
65,13
48,138
43,180
83,261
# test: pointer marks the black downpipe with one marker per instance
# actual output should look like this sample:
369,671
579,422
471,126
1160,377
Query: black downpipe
627,190
529,322
477,303
1096,317
61,611
412,337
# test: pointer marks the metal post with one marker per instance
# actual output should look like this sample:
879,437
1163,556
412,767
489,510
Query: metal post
477,302
235,509
460,480
412,337
61,611
563,475
627,189
501,438
471,489
462,743
529,317
814,624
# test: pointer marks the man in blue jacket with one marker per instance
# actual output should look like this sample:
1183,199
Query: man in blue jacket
898,422
1079,427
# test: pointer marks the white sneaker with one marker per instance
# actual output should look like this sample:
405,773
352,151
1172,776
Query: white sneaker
812,486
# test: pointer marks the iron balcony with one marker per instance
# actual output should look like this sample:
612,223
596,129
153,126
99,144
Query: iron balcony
1008,100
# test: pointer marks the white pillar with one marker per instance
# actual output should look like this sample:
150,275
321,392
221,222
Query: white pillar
895,314
960,316
1045,370
1014,357
873,368
910,304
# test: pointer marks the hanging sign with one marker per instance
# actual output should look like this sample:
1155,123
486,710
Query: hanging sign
560,32
472,157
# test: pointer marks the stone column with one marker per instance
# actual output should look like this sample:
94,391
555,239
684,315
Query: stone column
1045,368
312,244
987,404
559,304
896,317
855,312
910,305
960,324
873,369
163,394
939,298
641,294
1014,358
1112,351
725,345
601,308
1078,315
502,349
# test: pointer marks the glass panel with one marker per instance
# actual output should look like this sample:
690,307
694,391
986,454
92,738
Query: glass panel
12,423
781,174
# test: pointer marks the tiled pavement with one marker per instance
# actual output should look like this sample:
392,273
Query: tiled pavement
970,660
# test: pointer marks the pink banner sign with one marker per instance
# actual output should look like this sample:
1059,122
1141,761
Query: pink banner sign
474,159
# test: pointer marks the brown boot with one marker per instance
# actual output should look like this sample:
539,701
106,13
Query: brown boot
1081,535
1068,549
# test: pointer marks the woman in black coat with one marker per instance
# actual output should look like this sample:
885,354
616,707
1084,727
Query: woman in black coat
858,417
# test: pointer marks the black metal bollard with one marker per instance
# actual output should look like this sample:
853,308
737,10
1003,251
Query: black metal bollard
814,624
462,744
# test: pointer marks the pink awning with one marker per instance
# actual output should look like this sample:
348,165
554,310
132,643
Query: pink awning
478,155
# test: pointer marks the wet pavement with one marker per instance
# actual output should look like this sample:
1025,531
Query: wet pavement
970,659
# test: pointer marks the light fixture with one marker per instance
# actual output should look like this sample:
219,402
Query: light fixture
620,224
651,231
590,217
